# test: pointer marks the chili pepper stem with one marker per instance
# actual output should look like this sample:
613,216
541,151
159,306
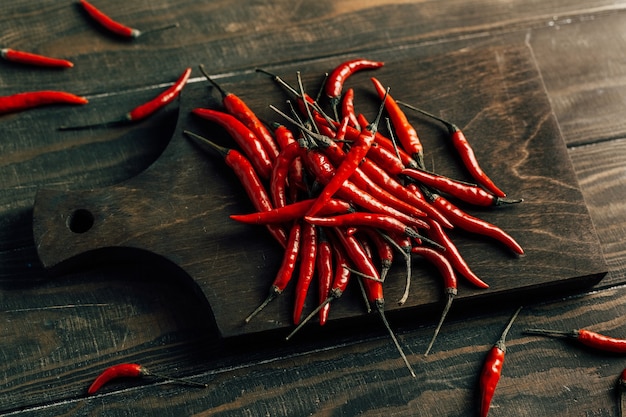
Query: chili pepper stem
152,30
146,372
331,297
274,292
552,333
501,343
380,307
451,294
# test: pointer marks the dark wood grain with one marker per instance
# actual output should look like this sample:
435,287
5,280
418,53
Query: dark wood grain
179,207
58,332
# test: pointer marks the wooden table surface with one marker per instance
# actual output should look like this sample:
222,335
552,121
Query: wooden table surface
60,330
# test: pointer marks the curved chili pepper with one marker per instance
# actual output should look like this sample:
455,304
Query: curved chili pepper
378,221
469,193
280,173
132,370
286,270
308,255
235,106
407,135
29,58
353,158
387,143
347,108
439,235
338,76
473,224
243,136
384,250
292,211
586,337
146,109
323,170
492,369
465,151
116,27
247,176
284,136
449,283
28,100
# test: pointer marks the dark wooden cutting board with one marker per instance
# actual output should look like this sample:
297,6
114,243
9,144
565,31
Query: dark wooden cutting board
177,211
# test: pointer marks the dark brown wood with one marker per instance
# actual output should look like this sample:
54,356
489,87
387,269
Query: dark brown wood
59,331
179,207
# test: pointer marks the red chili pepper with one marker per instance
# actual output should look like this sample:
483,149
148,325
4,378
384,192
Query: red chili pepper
308,255
449,283
243,136
323,170
384,250
469,193
452,253
114,26
473,224
492,369
252,184
407,160
347,108
280,172
235,106
29,58
286,270
378,221
284,136
146,109
132,370
338,76
586,337
324,268
292,211
24,101
465,151
353,158
407,135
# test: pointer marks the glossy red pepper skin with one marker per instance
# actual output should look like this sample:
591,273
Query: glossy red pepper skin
452,253
375,220
280,173
28,100
336,79
244,138
306,272
237,107
325,273
108,23
588,338
473,224
292,211
164,98
492,369
126,370
347,109
406,133
468,193
29,58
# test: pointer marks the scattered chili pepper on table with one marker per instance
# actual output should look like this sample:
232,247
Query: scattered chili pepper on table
28,100
492,369
29,58
338,76
146,109
132,370
588,338
116,27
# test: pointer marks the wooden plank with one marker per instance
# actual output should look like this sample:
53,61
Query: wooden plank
541,376
492,91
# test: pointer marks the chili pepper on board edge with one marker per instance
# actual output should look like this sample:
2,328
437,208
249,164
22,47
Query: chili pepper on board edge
116,27
465,151
28,100
586,337
132,370
146,109
492,369
29,58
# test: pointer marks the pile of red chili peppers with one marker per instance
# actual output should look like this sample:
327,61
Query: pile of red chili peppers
344,199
